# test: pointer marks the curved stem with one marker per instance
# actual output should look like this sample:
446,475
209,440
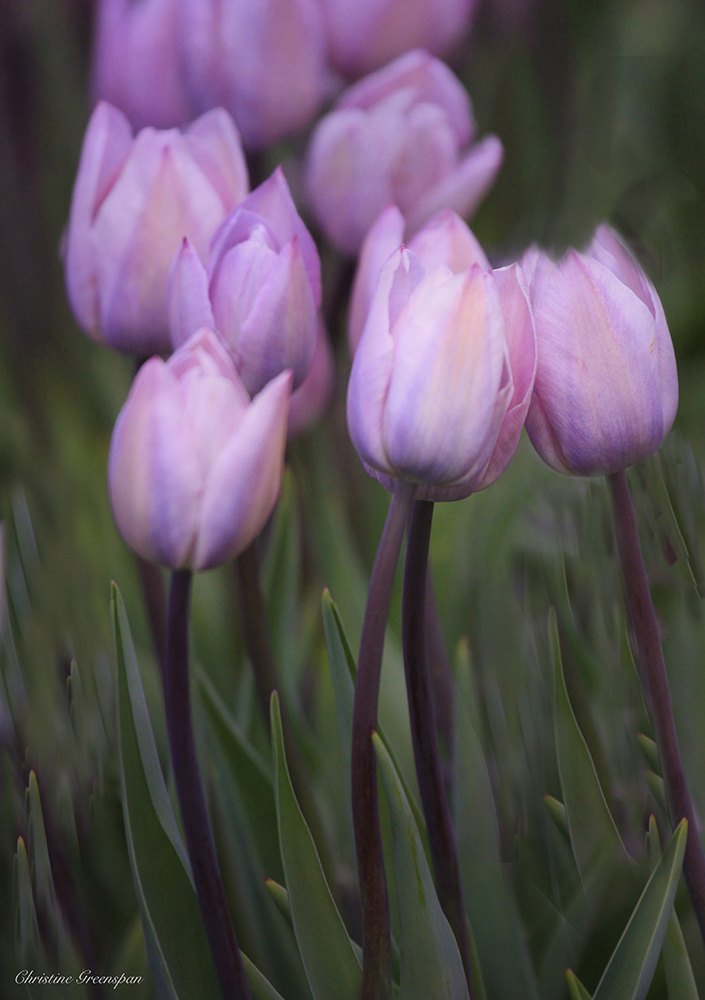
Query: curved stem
192,803
429,771
376,935
655,679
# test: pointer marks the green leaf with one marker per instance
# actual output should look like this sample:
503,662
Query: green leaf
280,897
332,967
30,948
43,880
657,787
650,751
280,576
594,837
176,941
575,987
556,811
431,968
676,961
494,918
631,968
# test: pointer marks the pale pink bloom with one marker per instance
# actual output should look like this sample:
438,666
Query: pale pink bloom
195,467
606,390
134,201
402,136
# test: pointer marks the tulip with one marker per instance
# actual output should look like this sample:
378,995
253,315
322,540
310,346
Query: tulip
195,467
401,136
606,389
136,61
442,376
260,290
445,239
366,36
133,202
263,60
313,396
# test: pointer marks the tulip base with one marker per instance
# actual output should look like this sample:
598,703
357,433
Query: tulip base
655,680
192,803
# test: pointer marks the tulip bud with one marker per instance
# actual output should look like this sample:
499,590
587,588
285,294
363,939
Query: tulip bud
445,239
260,290
606,390
195,468
366,36
133,202
442,376
136,61
263,60
401,136
313,396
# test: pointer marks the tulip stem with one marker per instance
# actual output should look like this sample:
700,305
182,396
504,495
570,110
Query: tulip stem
155,604
192,802
376,933
655,679
429,771
441,676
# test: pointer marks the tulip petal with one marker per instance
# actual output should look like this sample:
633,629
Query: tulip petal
311,399
447,239
383,238
215,145
465,187
154,476
189,305
245,482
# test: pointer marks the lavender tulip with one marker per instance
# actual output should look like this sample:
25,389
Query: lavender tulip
310,400
261,59
365,36
401,136
133,202
195,468
606,389
136,61
260,290
442,376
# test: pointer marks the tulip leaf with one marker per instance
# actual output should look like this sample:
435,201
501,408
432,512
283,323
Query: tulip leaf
631,968
556,811
676,962
28,941
593,834
332,967
176,941
496,926
575,987
431,967
43,880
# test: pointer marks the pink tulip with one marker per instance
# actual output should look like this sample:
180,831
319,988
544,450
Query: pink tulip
260,290
261,59
195,468
443,373
606,390
367,35
134,201
136,61
401,136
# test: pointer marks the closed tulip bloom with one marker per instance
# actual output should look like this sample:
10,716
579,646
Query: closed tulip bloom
606,390
137,63
442,376
401,136
366,36
133,202
195,467
264,60
260,290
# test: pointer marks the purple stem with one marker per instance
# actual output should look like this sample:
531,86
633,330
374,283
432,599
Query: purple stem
376,934
655,680
429,772
192,802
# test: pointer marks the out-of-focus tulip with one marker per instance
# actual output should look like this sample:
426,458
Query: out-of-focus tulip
136,61
134,200
442,377
401,136
445,239
313,396
606,390
260,291
195,468
366,36
263,60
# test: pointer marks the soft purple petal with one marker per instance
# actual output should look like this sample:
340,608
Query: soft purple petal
313,396
214,143
447,239
189,306
383,238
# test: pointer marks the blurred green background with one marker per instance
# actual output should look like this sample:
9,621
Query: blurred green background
601,107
